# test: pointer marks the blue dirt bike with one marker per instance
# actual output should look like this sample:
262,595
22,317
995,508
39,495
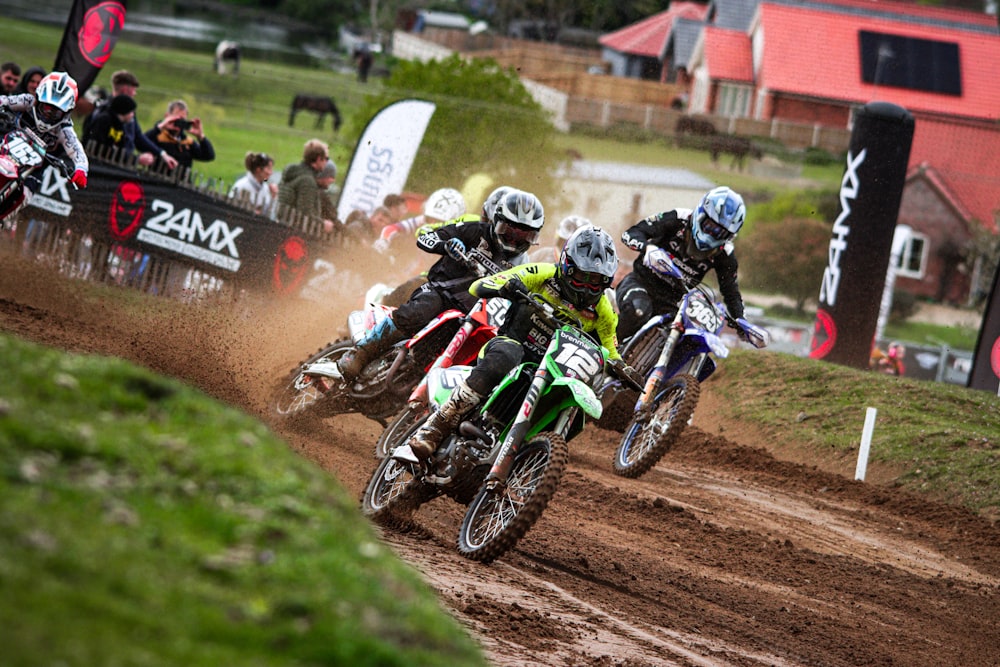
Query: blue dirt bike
675,353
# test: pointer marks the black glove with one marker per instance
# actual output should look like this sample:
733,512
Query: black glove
513,289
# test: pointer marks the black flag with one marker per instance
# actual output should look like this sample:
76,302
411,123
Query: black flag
91,33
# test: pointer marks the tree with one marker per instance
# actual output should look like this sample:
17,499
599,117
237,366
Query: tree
485,122
786,257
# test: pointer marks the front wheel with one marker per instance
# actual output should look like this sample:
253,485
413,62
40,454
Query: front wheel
299,392
399,429
645,442
498,518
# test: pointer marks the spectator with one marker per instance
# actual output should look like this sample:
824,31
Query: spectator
30,80
364,59
123,82
302,191
109,125
254,186
182,139
10,74
396,204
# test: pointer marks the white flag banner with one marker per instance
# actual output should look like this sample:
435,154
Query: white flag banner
384,154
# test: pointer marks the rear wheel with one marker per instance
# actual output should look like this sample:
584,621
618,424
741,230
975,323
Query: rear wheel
299,392
497,519
645,443
394,493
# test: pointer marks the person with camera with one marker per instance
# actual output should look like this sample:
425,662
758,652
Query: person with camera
181,138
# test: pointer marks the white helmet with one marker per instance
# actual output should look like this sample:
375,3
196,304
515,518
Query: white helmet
444,205
490,205
55,97
568,225
517,221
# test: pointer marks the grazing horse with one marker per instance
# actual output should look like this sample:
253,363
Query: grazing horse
321,105
691,132
738,147
227,52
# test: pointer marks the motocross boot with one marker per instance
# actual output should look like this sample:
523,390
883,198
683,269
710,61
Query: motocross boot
429,436
378,340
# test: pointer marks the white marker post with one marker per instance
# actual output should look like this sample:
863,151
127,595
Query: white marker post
866,443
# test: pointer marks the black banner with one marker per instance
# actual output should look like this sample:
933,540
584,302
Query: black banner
91,33
986,361
144,214
870,192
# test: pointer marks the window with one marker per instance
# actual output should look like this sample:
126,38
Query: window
733,100
912,259
908,62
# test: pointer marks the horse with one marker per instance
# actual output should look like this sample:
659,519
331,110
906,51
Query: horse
227,52
738,147
691,132
319,104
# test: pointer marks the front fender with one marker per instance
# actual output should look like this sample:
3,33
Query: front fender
582,394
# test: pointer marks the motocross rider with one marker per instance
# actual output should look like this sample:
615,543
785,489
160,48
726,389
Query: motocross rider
574,287
517,222
698,241
47,113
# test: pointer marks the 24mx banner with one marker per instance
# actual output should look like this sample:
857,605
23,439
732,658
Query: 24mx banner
144,214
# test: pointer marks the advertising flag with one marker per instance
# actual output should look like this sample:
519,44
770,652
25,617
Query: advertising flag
861,246
91,33
384,154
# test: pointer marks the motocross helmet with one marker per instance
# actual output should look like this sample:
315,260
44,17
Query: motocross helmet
490,205
718,218
444,205
517,221
55,97
587,266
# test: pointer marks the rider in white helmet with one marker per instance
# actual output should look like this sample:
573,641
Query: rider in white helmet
46,112
566,227
442,206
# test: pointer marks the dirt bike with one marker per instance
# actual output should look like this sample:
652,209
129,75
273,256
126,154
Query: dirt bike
675,354
384,384
22,152
505,460
478,326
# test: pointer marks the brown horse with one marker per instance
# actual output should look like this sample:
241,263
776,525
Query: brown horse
738,147
318,104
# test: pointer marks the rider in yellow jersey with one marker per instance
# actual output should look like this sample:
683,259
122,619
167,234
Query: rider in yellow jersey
574,287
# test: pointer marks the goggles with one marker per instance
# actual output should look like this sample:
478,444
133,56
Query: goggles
514,233
595,282
714,229
50,113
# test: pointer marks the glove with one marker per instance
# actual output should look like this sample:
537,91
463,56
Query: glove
659,261
79,178
455,249
381,246
512,289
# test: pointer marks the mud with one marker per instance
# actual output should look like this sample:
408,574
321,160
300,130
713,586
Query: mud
734,550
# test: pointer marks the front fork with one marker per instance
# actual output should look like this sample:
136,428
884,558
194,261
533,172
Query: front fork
497,476
658,374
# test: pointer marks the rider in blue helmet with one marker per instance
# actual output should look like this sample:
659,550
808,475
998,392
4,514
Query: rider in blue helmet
699,241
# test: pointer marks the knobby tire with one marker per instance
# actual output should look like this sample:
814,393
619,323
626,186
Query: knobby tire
644,444
495,522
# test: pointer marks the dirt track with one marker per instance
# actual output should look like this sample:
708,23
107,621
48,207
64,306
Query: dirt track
721,555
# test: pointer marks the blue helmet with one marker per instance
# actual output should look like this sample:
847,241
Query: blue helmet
718,218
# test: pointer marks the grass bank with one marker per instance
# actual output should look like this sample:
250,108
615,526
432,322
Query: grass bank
146,524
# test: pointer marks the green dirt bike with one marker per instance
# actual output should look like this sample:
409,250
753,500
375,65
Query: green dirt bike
505,460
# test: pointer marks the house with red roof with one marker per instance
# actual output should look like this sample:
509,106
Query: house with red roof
820,61
636,50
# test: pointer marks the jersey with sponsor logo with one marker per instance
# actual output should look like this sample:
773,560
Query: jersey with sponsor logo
668,230
524,325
